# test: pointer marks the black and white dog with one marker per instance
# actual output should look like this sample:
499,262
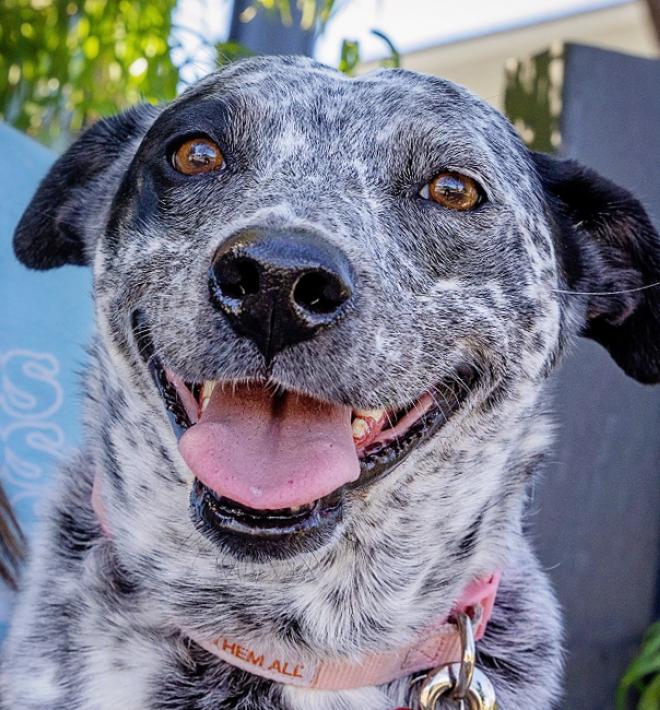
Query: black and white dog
327,308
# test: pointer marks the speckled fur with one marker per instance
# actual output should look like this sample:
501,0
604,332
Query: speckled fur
99,621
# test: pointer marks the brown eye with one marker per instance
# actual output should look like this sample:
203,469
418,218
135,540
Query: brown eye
197,155
454,191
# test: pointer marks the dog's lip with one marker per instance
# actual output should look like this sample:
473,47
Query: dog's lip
264,536
447,397
225,513
377,459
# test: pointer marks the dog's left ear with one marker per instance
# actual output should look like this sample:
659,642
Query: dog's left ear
609,249
60,223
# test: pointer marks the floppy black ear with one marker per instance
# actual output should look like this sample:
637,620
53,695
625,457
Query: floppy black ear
61,222
610,249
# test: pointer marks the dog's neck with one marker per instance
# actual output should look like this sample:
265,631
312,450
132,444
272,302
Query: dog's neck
437,645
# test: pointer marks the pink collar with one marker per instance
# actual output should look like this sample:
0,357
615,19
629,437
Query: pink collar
438,645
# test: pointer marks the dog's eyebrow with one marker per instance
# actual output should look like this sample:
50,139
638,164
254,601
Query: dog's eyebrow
428,151
210,115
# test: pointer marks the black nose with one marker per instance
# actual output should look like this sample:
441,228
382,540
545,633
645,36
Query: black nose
280,288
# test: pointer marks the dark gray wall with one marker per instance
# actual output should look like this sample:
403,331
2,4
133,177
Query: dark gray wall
597,508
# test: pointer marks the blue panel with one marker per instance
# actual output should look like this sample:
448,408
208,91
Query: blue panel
45,322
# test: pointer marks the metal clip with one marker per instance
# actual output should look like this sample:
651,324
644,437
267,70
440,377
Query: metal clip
460,683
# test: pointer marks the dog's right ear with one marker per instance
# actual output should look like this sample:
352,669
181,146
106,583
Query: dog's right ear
61,222
611,255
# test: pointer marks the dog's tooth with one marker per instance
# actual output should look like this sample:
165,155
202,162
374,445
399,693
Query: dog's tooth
207,391
365,423
360,428
375,414
208,387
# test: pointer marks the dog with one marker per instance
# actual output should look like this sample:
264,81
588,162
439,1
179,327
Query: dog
327,308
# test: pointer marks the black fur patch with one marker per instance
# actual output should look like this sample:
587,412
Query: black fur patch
52,231
609,247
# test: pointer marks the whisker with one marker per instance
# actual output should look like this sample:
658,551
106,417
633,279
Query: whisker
607,293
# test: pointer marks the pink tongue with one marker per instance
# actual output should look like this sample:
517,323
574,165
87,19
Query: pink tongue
270,452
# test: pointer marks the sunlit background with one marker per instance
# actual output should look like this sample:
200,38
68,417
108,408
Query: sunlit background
64,63
417,26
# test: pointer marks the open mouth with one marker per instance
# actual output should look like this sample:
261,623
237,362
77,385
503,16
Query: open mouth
272,467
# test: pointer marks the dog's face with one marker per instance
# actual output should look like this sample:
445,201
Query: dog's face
326,308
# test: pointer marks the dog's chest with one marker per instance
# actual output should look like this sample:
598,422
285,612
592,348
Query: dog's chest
121,674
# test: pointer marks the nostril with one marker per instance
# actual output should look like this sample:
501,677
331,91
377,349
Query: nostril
279,288
237,277
320,293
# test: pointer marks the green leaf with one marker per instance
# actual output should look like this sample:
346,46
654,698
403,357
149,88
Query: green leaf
650,698
228,52
80,60
350,56
643,674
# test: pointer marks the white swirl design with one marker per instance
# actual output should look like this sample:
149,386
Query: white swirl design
31,441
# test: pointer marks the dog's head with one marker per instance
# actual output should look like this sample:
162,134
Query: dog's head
326,307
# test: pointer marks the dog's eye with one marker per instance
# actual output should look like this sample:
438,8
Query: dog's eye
197,155
454,191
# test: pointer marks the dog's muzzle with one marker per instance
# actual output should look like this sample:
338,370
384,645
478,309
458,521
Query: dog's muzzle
273,468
